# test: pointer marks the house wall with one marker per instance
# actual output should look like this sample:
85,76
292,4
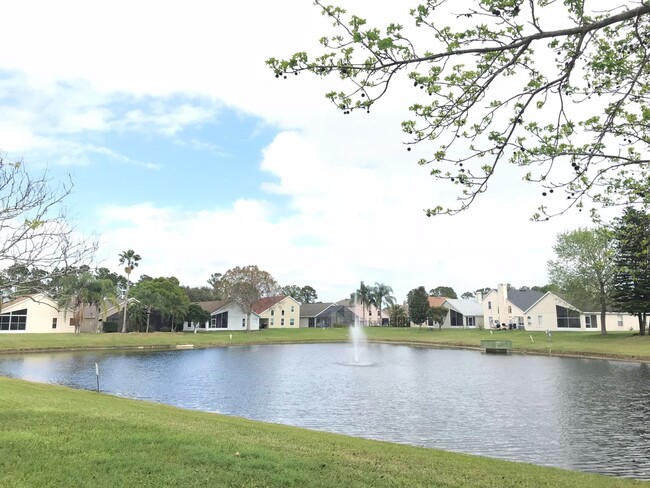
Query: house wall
40,314
372,314
235,320
627,322
500,306
285,305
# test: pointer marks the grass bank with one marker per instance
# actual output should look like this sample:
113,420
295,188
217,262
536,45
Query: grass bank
623,345
55,436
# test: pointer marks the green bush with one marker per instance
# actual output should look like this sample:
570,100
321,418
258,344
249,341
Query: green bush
110,327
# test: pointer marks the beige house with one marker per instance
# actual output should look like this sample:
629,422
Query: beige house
370,311
278,312
538,311
35,314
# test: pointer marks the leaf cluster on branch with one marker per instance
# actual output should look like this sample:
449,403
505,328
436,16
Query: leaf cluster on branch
559,89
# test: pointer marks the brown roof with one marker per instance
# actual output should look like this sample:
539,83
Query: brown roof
212,305
265,303
437,301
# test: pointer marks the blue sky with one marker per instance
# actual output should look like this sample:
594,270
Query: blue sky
184,147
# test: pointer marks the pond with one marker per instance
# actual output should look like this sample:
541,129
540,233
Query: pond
580,414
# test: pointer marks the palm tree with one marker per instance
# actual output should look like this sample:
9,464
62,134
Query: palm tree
75,295
381,294
362,297
102,293
130,258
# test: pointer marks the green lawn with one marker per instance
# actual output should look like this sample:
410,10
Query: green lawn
55,436
623,345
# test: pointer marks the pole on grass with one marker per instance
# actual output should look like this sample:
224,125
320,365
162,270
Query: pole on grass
97,375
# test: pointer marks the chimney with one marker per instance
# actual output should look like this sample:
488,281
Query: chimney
479,297
502,301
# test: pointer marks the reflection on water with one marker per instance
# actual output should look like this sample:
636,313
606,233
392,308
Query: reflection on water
580,414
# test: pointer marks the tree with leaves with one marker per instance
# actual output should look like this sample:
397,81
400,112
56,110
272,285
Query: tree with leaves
363,297
559,89
75,295
302,294
631,284
443,291
245,286
418,304
381,295
584,268
397,315
200,293
437,315
130,260
196,315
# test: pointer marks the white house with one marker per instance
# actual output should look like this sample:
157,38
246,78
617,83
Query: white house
35,314
463,313
224,315
535,310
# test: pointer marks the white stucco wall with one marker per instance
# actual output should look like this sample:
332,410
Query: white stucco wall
40,313
235,320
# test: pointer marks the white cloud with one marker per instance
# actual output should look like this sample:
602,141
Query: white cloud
356,196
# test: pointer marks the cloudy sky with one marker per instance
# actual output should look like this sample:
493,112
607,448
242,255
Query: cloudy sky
183,146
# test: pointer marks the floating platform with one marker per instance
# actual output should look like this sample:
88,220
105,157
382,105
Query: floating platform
496,346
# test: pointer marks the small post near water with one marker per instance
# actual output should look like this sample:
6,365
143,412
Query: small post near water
97,375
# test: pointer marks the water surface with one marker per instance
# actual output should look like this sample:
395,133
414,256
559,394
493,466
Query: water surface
581,414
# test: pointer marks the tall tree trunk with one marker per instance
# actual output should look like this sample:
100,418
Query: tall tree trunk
126,302
642,322
248,322
148,316
603,308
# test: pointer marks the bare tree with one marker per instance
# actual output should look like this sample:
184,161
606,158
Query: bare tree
36,234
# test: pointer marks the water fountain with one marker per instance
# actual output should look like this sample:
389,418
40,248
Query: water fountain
358,340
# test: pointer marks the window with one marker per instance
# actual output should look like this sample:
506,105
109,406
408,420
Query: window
509,309
282,321
283,312
567,318
54,322
529,321
456,319
489,305
14,320
591,321
219,321
540,322
272,312
292,308
243,322
272,321
619,320
292,322
491,320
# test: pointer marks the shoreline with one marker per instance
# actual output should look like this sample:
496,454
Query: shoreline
426,344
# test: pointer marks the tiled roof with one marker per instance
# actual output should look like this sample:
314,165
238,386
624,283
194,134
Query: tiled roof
212,305
436,301
265,303
313,309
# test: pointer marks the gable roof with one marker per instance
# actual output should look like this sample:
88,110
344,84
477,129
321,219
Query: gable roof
37,298
524,299
313,309
265,303
213,305
437,301
467,307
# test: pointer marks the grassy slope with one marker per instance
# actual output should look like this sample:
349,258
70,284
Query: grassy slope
617,345
55,436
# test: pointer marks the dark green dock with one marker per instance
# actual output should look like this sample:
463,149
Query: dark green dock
496,346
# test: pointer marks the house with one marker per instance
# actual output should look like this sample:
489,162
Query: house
224,315
36,313
278,312
367,314
463,313
326,315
